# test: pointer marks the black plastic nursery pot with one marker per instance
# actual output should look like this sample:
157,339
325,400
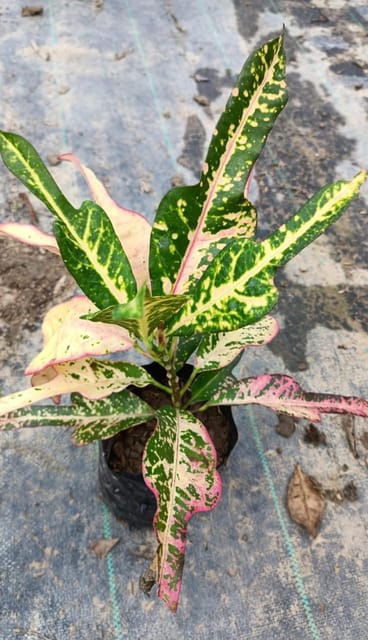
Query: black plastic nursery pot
120,459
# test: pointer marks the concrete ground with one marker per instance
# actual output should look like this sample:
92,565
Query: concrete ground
115,82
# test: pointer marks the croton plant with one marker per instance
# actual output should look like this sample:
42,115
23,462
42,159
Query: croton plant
196,284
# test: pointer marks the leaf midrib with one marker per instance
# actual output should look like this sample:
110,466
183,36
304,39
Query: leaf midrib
53,205
167,533
221,169
224,290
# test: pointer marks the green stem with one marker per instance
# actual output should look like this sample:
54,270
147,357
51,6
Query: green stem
163,387
186,386
175,385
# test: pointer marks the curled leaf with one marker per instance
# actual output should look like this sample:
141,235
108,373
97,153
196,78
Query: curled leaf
129,225
101,548
29,234
68,337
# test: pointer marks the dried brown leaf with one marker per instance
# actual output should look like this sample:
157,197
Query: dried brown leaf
101,548
149,577
32,11
120,55
98,5
202,100
304,501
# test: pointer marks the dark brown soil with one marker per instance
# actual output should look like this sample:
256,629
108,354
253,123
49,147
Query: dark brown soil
128,447
31,281
312,435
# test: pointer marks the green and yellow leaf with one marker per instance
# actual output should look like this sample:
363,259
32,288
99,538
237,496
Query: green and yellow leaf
143,314
238,287
120,411
217,350
94,256
131,227
184,348
92,420
204,384
194,223
179,466
86,238
24,162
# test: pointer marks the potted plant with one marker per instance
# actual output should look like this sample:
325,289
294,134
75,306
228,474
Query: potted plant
197,285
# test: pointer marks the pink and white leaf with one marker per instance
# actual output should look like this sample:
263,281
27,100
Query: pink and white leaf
68,337
179,466
93,379
285,395
131,227
216,350
29,234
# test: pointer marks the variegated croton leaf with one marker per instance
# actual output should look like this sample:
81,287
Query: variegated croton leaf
29,234
193,223
91,420
129,225
281,393
238,288
179,466
141,315
66,336
88,243
93,379
217,350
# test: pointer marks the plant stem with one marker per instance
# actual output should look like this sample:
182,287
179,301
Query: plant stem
186,386
175,385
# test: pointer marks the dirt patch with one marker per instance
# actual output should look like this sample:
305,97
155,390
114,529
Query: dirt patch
31,281
303,308
194,140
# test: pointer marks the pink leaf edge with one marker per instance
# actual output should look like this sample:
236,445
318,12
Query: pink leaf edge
170,573
67,337
29,234
128,224
284,394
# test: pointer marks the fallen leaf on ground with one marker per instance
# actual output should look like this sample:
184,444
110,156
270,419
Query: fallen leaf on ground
149,577
32,11
202,100
101,548
304,501
120,55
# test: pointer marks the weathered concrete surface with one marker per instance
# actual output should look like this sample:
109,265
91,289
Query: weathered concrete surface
116,86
